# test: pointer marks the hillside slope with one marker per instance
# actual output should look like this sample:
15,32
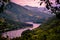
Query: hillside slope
47,31
9,25
19,13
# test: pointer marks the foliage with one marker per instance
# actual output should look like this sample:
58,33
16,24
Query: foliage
46,31
3,4
54,9
8,25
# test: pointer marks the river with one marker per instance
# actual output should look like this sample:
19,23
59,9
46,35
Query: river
17,33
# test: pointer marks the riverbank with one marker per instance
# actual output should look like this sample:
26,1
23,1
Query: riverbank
17,33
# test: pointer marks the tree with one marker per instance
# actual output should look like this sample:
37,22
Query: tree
55,9
3,4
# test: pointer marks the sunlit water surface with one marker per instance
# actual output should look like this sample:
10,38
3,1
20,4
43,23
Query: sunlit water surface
17,33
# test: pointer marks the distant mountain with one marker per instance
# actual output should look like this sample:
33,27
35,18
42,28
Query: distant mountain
36,9
15,17
9,19
42,11
20,14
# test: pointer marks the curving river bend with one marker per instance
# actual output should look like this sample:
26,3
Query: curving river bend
17,33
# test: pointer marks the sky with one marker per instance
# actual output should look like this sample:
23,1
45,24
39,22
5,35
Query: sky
30,2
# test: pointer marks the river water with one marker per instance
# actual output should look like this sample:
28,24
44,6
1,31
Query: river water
17,33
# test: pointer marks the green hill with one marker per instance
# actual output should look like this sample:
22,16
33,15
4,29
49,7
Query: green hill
47,31
9,25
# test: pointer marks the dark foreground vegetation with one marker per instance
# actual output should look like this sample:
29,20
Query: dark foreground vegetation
9,25
47,31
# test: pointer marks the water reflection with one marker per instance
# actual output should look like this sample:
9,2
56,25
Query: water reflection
17,33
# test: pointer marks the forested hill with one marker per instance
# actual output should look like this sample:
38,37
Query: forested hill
9,25
47,31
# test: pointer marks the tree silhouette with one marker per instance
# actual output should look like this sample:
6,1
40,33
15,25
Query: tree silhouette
3,4
55,9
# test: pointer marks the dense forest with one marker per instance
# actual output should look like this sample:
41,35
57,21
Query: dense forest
47,31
